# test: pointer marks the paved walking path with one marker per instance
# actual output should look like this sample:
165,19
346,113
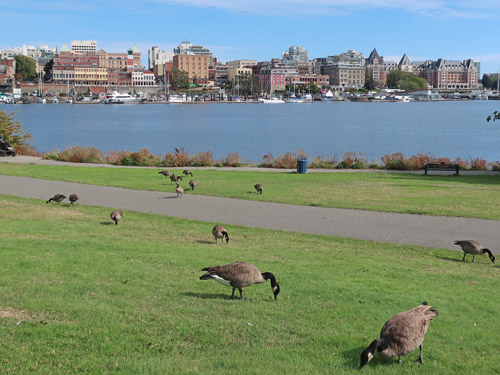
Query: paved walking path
367,225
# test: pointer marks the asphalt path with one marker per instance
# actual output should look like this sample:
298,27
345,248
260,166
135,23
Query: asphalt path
433,231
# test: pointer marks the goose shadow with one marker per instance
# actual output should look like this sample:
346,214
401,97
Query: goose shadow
107,223
451,259
205,242
174,197
207,295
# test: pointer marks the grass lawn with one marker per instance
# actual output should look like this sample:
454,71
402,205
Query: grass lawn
467,196
81,295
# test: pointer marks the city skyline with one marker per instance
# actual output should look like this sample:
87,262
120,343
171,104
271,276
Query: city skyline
262,30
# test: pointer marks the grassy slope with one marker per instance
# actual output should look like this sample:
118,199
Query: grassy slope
67,267
468,196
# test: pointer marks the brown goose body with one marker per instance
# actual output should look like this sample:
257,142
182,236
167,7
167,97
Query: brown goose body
73,198
219,231
57,198
174,178
116,216
474,248
259,188
239,276
192,183
179,190
187,172
401,334
166,173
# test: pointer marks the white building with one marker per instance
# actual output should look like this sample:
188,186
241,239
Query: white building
158,57
84,46
295,54
143,78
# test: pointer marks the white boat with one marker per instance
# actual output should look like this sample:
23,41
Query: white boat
272,100
41,100
117,98
177,98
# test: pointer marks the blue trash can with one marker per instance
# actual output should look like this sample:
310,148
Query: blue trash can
301,165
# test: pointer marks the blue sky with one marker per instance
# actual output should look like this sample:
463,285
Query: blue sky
263,29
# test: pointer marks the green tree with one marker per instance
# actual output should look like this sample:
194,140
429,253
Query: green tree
397,79
48,69
25,67
245,84
370,83
11,130
180,79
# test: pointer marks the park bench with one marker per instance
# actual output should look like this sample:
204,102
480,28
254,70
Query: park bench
442,167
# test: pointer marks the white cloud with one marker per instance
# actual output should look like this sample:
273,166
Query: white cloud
443,8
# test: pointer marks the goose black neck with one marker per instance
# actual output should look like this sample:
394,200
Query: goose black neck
269,276
487,251
226,235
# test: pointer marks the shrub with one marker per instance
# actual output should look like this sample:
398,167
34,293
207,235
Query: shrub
495,166
321,162
420,160
479,163
396,161
464,164
76,154
286,161
233,159
182,158
202,159
27,150
351,161
267,161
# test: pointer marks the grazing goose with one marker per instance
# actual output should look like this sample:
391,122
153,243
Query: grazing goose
73,198
474,248
179,190
57,198
259,188
220,232
401,334
192,183
240,275
187,172
174,178
116,216
166,173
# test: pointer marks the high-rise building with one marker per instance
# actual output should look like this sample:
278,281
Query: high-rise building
158,57
84,46
296,54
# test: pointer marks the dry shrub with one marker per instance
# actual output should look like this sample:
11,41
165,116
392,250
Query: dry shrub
479,163
182,158
267,161
495,166
420,160
286,161
27,150
321,162
442,160
464,164
202,159
351,161
233,159
396,161
302,153
77,154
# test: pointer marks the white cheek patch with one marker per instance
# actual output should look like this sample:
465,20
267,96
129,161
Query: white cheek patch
275,288
370,356
221,280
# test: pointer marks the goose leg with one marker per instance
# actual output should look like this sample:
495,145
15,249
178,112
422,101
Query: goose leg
464,257
399,359
421,358
473,256
232,295
241,293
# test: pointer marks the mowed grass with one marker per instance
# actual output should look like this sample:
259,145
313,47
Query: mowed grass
81,295
466,196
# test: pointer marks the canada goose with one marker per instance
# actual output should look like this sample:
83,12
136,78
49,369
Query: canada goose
187,171
220,232
174,178
192,183
57,198
401,334
240,275
259,188
179,190
474,248
73,198
166,173
116,216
